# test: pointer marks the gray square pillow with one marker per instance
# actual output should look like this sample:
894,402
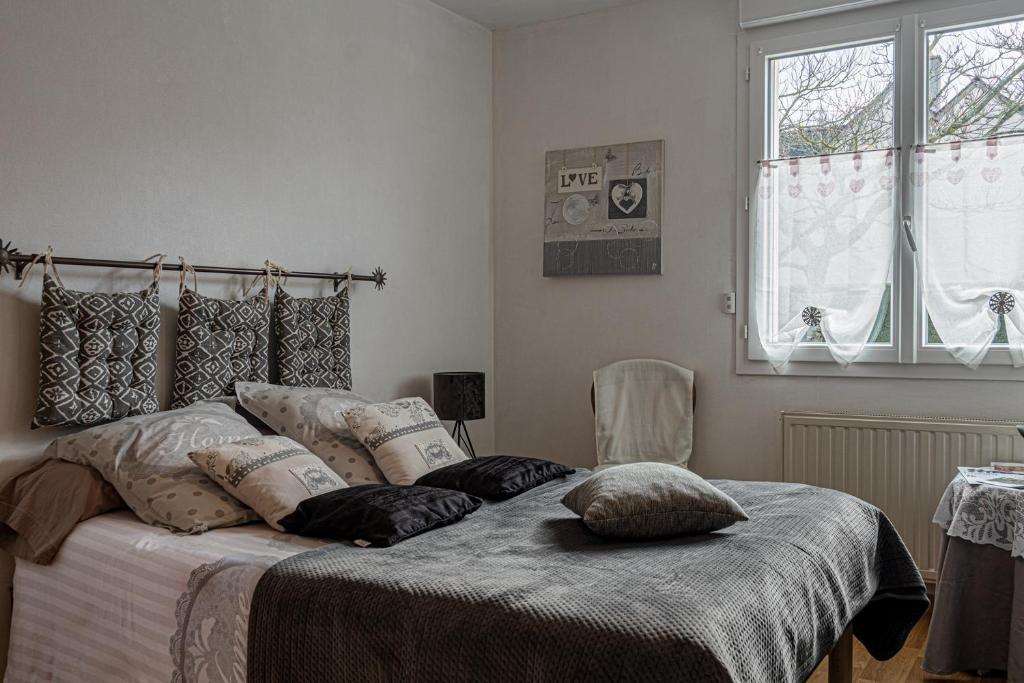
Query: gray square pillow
146,459
97,355
314,417
651,500
219,343
313,340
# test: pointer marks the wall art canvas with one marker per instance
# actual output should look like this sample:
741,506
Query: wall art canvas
602,210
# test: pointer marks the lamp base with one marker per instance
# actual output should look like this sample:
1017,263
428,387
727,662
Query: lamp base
461,436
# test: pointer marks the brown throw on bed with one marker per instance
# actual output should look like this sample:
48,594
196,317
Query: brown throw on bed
521,591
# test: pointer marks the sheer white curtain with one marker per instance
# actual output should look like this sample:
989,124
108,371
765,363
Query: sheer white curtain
825,231
972,208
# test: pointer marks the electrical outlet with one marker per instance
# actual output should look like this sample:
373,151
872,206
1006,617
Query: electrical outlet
730,303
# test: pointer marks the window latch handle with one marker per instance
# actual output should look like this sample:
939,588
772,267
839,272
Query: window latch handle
908,230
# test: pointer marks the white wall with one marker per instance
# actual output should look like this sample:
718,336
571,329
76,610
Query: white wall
318,133
661,69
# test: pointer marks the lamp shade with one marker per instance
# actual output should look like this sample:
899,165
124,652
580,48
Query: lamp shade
459,395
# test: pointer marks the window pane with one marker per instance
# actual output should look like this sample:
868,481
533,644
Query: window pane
833,101
934,339
976,83
882,334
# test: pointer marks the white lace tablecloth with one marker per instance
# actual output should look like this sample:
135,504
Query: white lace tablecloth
988,515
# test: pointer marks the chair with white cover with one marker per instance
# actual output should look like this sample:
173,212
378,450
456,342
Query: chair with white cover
643,412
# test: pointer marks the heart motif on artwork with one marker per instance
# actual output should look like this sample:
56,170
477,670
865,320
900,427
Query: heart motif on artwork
572,178
627,196
856,185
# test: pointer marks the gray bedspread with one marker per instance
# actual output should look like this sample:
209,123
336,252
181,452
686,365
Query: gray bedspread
521,591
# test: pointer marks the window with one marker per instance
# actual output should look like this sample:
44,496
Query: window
857,251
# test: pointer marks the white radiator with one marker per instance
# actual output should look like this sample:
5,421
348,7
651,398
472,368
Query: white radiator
900,464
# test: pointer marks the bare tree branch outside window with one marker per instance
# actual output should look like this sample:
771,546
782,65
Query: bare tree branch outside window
976,83
835,101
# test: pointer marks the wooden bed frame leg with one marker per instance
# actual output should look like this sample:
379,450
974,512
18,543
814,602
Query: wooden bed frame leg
840,660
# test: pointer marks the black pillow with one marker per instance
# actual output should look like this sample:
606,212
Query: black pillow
498,477
378,514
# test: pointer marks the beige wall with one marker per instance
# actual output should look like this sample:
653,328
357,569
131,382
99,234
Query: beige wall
661,69
318,133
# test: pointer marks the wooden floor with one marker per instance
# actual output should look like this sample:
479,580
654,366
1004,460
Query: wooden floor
904,667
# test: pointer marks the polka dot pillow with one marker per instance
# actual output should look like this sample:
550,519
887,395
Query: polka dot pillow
146,459
313,417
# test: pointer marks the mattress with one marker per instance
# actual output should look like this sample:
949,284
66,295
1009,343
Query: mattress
120,603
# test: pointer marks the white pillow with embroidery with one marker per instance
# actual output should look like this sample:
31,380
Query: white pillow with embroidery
405,437
270,474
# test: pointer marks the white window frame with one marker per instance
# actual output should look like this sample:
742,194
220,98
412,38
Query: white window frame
908,356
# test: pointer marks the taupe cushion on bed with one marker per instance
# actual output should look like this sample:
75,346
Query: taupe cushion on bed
313,417
219,343
651,500
270,474
97,355
406,438
313,340
146,459
41,506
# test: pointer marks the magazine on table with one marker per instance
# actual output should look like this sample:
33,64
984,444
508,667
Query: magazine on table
991,477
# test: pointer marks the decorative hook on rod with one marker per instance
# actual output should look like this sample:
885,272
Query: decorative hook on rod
7,254
380,278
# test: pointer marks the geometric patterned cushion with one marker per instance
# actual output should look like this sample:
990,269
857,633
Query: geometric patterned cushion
219,343
313,341
97,355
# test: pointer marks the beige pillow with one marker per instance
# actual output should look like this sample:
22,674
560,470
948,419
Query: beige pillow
406,438
270,474
41,506
313,417
146,459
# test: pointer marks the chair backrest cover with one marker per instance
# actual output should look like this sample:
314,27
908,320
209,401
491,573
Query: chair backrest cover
643,412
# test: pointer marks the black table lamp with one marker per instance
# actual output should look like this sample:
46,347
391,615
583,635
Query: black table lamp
459,396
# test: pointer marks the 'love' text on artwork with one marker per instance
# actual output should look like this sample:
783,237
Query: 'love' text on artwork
580,179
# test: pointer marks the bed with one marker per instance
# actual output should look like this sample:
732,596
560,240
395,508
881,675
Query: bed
121,602
517,591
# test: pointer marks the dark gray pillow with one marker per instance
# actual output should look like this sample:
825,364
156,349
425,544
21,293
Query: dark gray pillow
380,515
651,500
219,343
97,355
313,340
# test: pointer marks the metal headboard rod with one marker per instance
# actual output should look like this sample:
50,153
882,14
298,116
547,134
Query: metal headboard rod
10,256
